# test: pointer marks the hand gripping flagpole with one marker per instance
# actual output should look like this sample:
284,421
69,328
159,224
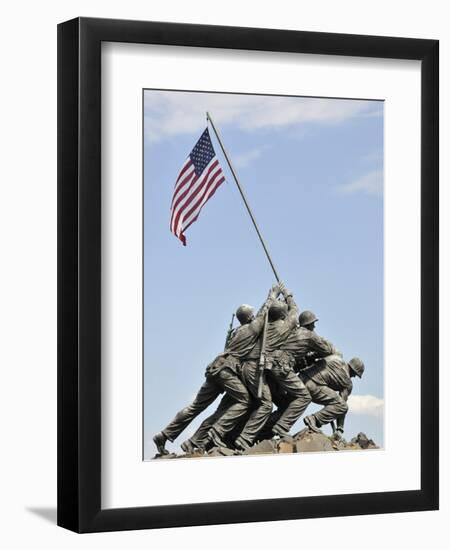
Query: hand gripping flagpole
244,198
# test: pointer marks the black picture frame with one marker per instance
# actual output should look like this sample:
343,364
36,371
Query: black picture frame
79,274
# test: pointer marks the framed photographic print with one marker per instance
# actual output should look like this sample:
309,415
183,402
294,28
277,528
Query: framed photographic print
248,275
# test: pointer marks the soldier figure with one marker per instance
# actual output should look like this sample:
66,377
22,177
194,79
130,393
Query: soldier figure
329,383
222,376
302,346
282,319
305,344
208,428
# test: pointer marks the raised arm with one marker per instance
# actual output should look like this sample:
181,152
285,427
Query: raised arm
258,322
273,295
293,311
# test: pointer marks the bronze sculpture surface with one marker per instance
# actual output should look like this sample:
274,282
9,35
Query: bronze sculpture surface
273,358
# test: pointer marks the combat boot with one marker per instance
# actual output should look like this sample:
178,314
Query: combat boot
160,441
215,438
312,423
187,446
241,445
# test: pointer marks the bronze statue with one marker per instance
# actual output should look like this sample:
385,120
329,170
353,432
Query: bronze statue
329,383
222,376
282,318
273,357
301,347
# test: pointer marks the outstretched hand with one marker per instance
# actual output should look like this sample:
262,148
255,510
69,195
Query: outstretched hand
274,291
278,289
284,290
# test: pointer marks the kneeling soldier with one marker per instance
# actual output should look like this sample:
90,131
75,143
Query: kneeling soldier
329,383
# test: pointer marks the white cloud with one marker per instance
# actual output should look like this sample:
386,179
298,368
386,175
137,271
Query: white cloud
367,405
369,184
245,159
169,114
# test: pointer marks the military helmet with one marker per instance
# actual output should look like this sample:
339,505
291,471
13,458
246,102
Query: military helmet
277,310
244,313
306,318
357,366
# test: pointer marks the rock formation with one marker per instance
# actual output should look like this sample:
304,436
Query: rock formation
305,441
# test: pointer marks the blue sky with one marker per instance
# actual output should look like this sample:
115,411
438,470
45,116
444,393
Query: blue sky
312,169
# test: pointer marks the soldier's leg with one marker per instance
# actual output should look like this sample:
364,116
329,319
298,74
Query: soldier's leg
238,405
205,396
263,407
334,407
231,436
200,437
298,398
281,400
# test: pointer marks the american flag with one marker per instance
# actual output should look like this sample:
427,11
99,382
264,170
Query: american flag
197,182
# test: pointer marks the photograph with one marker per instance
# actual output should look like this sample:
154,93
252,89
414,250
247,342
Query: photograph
263,274
248,275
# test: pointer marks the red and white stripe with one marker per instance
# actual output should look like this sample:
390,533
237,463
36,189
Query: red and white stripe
191,193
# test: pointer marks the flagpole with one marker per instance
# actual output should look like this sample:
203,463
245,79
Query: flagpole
244,198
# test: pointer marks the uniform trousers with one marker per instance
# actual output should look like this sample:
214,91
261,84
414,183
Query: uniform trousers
261,408
226,380
290,396
335,406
